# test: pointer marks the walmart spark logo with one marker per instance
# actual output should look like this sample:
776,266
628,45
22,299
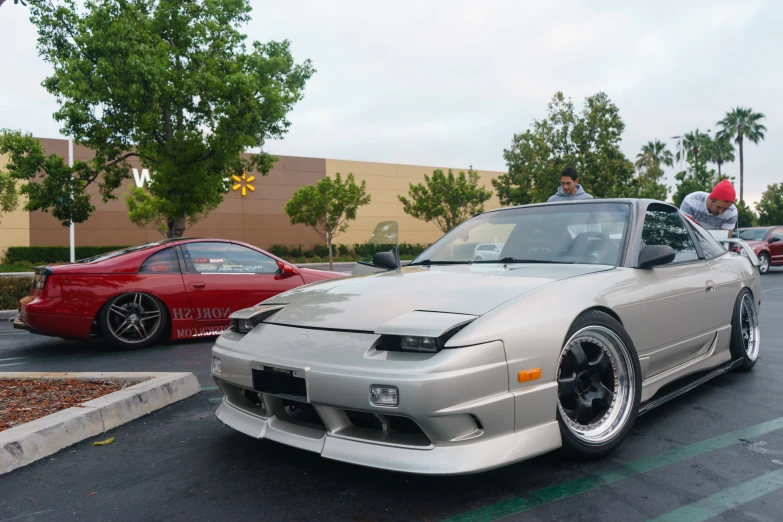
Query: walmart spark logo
244,183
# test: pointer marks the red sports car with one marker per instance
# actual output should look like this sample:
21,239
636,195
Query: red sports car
179,288
767,242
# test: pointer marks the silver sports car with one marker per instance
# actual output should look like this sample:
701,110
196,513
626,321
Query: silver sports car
594,312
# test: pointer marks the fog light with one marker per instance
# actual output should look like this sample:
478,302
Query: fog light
384,395
216,366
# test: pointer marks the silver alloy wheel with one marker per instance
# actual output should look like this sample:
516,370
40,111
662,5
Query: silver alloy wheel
596,383
749,323
763,264
134,318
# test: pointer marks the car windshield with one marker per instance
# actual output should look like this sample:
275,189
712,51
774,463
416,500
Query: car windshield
584,233
753,234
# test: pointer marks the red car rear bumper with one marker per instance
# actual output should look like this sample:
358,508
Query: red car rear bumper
47,317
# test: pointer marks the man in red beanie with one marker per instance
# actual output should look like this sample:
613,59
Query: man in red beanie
713,211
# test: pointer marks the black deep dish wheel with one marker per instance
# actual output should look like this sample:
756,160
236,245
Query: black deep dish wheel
598,386
745,331
133,320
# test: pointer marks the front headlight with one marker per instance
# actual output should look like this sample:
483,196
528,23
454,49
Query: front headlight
242,326
245,320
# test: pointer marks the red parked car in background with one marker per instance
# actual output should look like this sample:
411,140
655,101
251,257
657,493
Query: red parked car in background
767,242
175,289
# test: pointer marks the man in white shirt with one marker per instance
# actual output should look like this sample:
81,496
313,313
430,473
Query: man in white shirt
713,211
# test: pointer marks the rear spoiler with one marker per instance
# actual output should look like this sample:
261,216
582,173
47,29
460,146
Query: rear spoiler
746,248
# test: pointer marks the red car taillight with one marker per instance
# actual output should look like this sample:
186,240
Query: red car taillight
39,281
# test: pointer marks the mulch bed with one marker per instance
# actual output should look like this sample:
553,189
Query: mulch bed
26,400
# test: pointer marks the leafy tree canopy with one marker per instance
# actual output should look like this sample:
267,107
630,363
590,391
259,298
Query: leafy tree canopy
445,199
328,206
588,141
746,217
770,207
172,82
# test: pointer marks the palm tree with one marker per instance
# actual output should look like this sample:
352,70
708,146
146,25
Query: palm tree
741,123
653,154
721,151
691,145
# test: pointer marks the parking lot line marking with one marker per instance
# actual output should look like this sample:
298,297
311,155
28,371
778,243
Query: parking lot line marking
571,488
209,388
10,364
12,358
725,500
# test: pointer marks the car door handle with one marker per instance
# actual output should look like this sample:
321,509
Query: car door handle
710,286
197,285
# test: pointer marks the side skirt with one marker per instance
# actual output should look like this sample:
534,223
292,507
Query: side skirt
687,386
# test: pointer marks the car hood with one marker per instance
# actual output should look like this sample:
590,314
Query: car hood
363,303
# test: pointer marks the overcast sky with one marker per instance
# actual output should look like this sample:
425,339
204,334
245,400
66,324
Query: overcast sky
449,82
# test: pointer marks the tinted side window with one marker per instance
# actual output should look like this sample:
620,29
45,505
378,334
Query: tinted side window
163,262
662,227
709,245
227,258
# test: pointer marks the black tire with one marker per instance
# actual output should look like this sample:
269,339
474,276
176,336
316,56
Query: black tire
602,336
745,340
142,328
763,263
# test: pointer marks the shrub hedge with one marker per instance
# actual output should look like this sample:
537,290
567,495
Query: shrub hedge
351,253
53,254
12,289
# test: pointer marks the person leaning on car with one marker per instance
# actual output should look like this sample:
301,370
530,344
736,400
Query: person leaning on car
570,189
713,211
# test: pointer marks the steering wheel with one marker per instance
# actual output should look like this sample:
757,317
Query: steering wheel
584,245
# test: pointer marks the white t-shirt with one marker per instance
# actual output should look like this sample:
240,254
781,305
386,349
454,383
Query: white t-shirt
695,206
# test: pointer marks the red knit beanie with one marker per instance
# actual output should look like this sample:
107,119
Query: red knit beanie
724,191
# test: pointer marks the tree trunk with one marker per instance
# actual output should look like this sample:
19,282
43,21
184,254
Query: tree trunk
176,227
329,244
719,169
742,170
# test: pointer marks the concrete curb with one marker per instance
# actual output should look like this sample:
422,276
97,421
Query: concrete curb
8,314
22,445
17,274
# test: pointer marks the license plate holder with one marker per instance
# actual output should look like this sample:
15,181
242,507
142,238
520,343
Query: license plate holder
281,382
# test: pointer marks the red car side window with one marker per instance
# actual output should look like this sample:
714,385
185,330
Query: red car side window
163,262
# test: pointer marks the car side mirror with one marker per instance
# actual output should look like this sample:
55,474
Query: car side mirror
656,255
386,260
286,270
774,239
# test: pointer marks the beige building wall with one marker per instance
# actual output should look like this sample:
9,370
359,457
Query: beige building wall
14,226
385,182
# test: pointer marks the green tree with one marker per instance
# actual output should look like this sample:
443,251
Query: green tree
588,141
770,207
742,123
327,206
144,212
746,217
15,1
694,147
696,179
446,200
654,154
720,151
649,161
171,82
9,198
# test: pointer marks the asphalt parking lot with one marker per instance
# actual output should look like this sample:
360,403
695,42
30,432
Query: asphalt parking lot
715,453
